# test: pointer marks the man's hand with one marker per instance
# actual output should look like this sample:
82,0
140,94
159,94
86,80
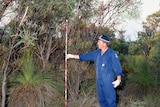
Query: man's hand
69,56
116,83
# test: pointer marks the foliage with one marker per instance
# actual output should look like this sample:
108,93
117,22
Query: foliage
134,48
44,22
121,46
112,13
152,30
141,79
32,88
155,62
151,100
142,66
26,38
87,96
153,21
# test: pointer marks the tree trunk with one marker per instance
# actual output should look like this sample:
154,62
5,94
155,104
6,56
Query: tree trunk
4,79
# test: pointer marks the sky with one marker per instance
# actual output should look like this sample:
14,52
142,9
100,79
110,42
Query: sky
133,26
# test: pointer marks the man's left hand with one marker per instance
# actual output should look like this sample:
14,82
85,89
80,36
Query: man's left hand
116,83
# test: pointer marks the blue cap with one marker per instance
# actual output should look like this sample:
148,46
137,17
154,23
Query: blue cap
104,38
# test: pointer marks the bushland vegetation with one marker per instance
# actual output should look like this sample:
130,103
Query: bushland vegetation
32,53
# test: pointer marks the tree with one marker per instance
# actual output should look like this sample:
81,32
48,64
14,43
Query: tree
112,12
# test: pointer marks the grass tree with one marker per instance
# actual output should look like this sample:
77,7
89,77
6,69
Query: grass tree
31,88
141,78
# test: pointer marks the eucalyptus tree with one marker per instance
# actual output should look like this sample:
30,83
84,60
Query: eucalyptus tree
149,35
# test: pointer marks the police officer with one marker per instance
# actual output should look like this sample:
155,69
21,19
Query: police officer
108,67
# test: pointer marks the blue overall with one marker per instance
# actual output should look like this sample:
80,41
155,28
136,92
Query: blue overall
107,67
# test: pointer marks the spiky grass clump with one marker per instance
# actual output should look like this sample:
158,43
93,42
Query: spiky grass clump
141,80
31,88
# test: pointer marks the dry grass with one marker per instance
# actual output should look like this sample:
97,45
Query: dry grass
86,100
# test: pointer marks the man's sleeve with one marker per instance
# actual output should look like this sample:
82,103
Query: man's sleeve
116,65
88,56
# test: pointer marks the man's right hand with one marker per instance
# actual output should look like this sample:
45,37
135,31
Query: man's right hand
72,56
69,56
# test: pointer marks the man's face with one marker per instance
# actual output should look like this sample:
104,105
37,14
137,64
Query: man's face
101,44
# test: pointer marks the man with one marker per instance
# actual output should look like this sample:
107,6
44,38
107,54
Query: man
107,68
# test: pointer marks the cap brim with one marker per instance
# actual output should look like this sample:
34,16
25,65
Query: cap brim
97,38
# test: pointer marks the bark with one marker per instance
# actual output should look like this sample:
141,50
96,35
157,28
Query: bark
4,79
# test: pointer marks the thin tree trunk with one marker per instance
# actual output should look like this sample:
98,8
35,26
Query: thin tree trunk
4,79
8,59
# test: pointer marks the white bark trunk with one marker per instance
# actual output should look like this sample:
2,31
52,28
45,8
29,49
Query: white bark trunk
9,14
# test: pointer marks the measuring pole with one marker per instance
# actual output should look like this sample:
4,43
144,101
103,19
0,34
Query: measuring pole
66,76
